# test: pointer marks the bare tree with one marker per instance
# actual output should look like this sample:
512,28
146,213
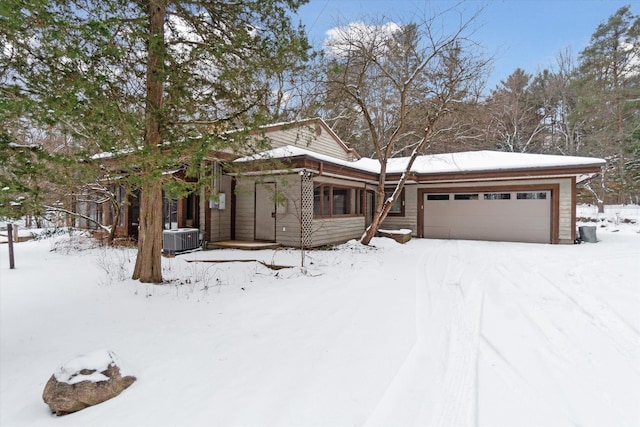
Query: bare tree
566,133
402,80
517,118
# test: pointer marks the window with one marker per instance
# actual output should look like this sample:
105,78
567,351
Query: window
437,197
333,200
532,196
317,202
326,201
120,197
359,202
497,196
169,213
465,197
341,201
398,207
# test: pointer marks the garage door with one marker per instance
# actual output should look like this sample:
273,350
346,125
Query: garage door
522,216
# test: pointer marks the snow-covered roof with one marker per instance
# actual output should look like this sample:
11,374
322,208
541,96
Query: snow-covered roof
293,151
468,161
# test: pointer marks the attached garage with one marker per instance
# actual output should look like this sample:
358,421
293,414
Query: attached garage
475,195
511,216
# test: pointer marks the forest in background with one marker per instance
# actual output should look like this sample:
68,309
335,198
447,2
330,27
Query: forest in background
587,105
159,84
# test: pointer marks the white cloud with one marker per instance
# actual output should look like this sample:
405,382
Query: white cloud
356,35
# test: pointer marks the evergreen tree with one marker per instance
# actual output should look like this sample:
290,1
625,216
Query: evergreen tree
153,82
609,97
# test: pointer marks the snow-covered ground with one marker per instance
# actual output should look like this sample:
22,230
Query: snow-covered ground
431,332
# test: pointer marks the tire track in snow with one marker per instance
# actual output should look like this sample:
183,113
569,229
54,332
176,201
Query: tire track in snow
625,337
397,406
458,402
409,398
438,382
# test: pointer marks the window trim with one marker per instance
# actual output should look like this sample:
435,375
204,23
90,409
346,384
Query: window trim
497,195
466,196
319,189
401,199
535,195
552,187
438,197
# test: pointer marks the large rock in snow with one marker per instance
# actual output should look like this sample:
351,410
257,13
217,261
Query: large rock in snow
85,381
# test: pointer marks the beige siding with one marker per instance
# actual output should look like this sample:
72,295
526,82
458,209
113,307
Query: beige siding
328,231
288,214
245,209
336,230
566,210
410,218
306,137
221,218
325,231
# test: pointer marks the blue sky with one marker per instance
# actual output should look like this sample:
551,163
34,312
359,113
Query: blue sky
519,33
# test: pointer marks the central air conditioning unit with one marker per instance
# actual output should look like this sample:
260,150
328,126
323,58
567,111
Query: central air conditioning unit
180,240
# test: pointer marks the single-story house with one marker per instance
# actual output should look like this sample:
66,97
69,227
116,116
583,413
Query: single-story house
312,190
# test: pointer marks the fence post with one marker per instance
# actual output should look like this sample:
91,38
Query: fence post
12,263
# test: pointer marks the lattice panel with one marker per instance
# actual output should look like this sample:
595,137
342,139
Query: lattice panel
307,209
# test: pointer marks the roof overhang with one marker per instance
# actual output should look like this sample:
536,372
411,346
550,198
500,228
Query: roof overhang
295,159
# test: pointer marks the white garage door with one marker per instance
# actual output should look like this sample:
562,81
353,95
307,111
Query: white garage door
519,216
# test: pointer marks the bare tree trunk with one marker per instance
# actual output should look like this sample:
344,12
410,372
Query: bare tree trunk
148,268
371,231
383,206
116,219
380,213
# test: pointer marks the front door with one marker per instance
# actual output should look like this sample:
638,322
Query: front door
265,212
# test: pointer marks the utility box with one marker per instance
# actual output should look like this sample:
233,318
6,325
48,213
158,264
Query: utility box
180,240
588,233
220,203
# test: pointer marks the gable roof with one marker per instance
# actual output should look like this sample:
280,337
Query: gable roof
317,124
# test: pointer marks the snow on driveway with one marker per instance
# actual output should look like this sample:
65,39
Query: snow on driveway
428,333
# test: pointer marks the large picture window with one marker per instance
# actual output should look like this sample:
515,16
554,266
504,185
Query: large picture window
333,200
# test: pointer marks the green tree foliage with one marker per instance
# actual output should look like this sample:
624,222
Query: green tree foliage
21,175
156,83
608,89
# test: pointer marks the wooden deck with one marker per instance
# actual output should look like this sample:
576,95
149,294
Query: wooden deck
242,244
